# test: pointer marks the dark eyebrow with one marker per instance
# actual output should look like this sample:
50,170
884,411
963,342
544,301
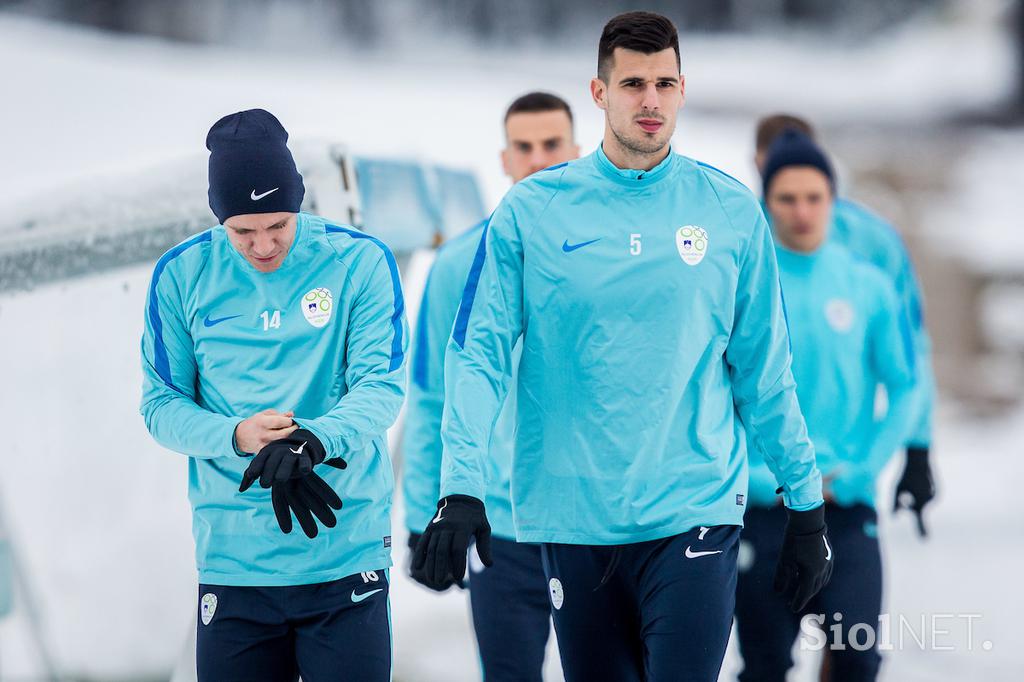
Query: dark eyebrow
671,79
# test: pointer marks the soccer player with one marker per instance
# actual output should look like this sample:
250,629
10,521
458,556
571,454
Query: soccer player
874,240
274,346
644,288
511,614
849,335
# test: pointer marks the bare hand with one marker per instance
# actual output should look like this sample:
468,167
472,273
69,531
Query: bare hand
252,434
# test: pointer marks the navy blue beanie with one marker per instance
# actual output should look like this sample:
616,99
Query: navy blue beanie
794,148
251,169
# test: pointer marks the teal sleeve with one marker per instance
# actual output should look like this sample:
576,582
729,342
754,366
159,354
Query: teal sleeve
759,363
421,443
376,344
908,291
920,427
891,356
169,374
478,360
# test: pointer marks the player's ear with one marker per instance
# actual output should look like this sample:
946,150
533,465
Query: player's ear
504,161
599,91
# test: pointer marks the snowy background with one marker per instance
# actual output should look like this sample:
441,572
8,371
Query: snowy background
97,513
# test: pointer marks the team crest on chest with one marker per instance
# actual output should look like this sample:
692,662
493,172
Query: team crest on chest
317,306
839,314
692,243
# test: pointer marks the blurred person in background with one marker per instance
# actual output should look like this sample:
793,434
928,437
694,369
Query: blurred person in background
849,334
511,613
273,350
870,237
643,288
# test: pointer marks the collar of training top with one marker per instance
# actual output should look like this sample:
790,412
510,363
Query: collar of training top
796,262
631,177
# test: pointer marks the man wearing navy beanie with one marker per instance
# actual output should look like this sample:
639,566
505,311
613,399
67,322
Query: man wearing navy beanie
273,351
871,237
848,335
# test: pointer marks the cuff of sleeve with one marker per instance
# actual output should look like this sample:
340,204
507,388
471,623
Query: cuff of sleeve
807,496
234,443
462,487
806,507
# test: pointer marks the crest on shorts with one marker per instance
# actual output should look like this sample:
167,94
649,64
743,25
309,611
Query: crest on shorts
208,607
317,305
692,243
556,592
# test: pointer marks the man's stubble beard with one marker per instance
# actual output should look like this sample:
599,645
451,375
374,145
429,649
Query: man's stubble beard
641,145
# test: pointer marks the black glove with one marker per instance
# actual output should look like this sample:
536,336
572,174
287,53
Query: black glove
287,458
305,497
916,487
420,575
805,562
440,557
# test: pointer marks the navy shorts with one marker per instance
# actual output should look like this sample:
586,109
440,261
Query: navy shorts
325,632
655,611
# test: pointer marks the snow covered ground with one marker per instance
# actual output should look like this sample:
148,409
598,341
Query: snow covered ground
98,512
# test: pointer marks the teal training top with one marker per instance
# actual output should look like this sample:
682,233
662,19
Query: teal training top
653,342
325,336
849,335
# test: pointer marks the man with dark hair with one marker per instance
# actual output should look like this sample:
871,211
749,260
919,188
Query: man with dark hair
876,241
511,614
643,288
273,350
535,103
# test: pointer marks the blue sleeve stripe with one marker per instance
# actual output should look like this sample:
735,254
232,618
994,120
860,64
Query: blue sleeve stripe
160,359
419,358
397,354
469,293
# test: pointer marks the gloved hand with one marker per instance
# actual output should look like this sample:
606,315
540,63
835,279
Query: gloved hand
440,557
305,497
420,575
287,458
916,487
805,562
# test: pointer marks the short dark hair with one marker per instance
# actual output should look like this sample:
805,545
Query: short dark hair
538,102
644,32
770,127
